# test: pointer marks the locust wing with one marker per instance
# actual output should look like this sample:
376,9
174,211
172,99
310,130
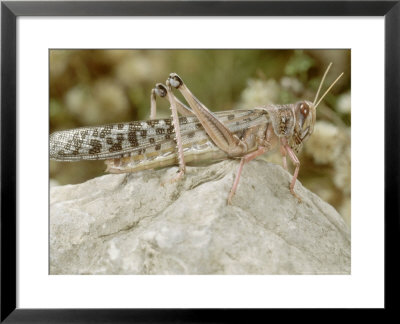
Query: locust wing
125,139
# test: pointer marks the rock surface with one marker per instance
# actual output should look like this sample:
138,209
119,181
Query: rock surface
132,224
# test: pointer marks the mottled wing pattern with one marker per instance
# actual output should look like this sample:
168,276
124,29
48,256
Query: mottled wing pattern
108,141
124,139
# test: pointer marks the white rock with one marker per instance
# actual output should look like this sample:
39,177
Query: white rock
132,224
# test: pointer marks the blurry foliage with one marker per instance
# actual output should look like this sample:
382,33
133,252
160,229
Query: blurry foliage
93,87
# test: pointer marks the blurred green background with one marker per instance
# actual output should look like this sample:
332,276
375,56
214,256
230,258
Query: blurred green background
94,87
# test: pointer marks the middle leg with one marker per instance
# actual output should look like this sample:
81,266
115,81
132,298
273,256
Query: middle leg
283,153
178,138
244,159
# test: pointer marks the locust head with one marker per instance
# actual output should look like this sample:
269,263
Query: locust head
305,113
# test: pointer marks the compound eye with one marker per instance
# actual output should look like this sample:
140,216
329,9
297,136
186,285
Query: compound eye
304,109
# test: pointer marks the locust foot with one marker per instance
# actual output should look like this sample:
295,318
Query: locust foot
229,201
295,195
179,176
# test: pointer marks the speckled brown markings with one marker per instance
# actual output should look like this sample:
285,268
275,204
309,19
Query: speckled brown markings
153,122
96,146
76,143
133,139
116,147
106,130
84,133
183,120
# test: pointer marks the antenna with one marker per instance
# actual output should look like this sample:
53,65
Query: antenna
326,92
322,82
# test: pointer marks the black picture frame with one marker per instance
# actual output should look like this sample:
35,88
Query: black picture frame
10,11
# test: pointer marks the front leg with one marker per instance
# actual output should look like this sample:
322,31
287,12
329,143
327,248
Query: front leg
296,162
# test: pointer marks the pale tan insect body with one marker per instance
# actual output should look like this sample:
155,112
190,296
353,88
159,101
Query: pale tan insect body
199,135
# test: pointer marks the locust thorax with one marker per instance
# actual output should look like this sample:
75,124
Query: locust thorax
282,119
295,122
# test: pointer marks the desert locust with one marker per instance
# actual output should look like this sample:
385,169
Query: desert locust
198,135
